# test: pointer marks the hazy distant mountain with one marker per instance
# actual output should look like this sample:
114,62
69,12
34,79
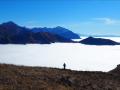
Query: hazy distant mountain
12,33
63,32
88,35
98,41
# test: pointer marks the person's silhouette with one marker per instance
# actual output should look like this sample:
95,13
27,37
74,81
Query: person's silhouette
64,66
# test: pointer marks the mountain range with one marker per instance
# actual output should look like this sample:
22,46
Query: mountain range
63,32
11,33
15,34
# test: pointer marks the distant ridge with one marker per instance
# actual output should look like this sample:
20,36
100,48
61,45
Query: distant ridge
63,32
88,35
15,34
11,33
9,23
98,41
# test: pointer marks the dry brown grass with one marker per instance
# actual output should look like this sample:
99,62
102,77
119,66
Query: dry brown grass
40,78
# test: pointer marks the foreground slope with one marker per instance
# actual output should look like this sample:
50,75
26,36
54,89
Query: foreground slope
40,78
116,70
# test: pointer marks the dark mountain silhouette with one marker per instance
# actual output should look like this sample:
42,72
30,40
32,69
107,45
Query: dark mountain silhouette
63,32
98,41
10,28
15,34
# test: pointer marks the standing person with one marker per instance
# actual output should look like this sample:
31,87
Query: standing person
64,66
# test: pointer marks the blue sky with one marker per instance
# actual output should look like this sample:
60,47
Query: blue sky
81,16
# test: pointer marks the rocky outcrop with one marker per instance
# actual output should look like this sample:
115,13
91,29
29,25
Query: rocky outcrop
116,70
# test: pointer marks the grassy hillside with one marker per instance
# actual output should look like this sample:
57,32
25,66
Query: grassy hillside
40,78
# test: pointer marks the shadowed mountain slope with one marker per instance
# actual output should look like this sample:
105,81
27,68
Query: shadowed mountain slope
11,33
63,32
